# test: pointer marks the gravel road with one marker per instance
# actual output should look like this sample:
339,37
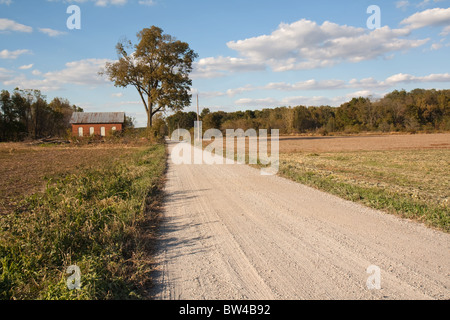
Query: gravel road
230,233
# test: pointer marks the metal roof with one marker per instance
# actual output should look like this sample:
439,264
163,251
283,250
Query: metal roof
98,117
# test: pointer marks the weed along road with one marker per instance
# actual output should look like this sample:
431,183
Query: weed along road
229,232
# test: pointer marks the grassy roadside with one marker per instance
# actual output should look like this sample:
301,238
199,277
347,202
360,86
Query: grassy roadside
413,184
100,219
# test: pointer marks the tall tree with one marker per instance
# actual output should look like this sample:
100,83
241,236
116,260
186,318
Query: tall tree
158,68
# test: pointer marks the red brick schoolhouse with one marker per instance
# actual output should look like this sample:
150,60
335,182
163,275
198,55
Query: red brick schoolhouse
86,124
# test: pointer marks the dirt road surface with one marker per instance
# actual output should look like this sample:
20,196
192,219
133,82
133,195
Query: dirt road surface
231,233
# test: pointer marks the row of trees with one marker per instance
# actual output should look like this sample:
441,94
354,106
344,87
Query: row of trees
398,111
27,114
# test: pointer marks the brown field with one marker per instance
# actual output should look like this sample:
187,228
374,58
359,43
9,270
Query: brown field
25,168
367,142
292,144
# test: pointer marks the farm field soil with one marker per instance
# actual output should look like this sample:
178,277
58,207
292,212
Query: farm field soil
362,142
25,169
289,144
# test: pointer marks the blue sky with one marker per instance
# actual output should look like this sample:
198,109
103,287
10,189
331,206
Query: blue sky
253,54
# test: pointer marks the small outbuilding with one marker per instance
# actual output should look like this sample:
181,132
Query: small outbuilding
96,123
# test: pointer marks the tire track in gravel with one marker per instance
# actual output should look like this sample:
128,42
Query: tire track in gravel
230,233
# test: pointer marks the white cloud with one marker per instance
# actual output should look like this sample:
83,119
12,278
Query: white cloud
104,3
407,78
366,86
11,25
82,72
99,3
430,17
402,4
289,39
130,102
436,46
311,101
219,66
265,102
396,79
26,67
51,32
304,45
424,3
306,85
7,2
147,2
5,74
23,82
233,92
361,93
290,101
117,95
446,31
6,54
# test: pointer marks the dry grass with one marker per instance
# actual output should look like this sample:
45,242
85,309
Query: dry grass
420,174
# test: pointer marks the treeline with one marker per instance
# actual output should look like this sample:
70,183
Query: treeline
417,110
27,114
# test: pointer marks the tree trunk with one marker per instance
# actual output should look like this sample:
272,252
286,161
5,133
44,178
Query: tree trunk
149,119
150,116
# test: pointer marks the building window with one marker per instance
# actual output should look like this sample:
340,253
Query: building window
91,131
113,129
80,131
103,131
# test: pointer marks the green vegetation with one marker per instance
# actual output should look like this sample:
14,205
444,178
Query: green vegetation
418,110
414,184
26,114
101,219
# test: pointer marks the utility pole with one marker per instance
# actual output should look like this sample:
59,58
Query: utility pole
198,121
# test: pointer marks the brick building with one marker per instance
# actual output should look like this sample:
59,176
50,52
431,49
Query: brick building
86,124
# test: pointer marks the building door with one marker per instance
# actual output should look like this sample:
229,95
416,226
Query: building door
91,131
103,131
80,131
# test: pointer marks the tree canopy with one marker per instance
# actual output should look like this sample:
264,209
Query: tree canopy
158,68
26,114
417,110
